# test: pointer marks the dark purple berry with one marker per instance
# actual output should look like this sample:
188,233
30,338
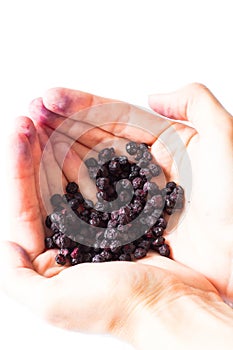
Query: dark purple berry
65,252
179,190
154,169
161,222
157,231
72,187
49,244
87,257
106,154
67,197
91,162
139,154
137,183
147,155
48,221
79,197
125,257
111,233
171,185
143,146
151,187
157,242
114,167
129,248
157,201
56,200
102,183
140,253
93,171
143,163
75,253
125,196
61,240
74,203
98,258
145,172
164,250
131,148
115,246
60,259
145,244
106,255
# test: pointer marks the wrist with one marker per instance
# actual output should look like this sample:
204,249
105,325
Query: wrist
187,322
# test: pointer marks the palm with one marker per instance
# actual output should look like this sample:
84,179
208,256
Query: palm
194,241
94,286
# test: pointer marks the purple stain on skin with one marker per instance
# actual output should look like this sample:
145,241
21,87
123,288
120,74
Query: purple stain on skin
27,128
62,104
40,112
22,148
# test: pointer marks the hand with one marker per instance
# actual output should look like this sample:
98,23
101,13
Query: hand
202,239
92,304
31,275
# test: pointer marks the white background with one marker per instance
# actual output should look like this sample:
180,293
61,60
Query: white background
120,49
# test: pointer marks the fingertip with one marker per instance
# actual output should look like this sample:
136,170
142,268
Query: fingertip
25,126
65,101
57,99
162,104
40,114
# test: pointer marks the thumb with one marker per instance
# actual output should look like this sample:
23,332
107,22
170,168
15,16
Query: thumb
196,104
18,279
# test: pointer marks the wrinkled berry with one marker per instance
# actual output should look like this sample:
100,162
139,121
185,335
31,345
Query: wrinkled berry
164,250
140,253
98,258
125,257
60,259
154,169
49,244
56,200
72,187
91,162
131,148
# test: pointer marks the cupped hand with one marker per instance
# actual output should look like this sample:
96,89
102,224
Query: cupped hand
84,297
202,239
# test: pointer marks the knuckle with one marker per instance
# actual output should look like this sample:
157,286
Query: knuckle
198,87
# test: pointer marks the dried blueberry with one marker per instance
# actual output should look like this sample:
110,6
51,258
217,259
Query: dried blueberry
140,253
131,148
72,187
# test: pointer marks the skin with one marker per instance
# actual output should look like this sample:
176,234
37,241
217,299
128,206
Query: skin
192,281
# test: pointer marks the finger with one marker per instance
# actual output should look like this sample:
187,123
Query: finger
28,228
55,178
67,101
193,103
87,134
26,124
109,121
119,119
18,278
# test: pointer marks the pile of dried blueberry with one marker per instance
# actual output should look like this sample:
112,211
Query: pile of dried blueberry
128,218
